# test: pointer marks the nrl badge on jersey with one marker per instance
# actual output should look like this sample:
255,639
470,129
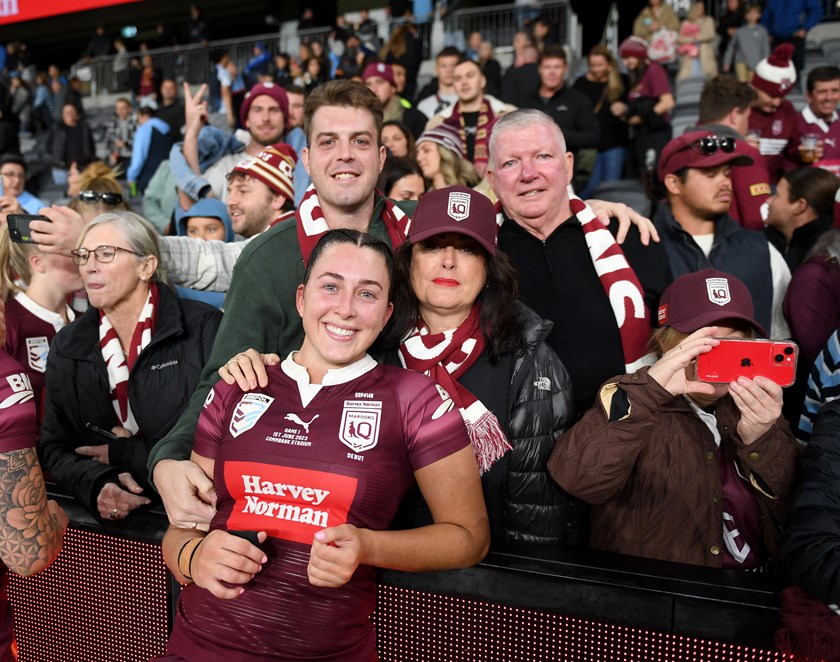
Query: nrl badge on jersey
248,411
360,424
37,350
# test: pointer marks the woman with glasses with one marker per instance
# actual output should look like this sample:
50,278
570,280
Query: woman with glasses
678,469
119,377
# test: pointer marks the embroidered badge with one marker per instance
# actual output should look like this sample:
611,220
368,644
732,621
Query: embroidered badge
718,289
459,205
249,410
359,429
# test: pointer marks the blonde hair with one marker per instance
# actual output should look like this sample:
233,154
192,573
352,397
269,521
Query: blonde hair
14,265
455,170
615,86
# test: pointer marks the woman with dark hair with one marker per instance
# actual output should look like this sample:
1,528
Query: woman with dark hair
398,139
678,469
401,179
300,522
648,107
457,319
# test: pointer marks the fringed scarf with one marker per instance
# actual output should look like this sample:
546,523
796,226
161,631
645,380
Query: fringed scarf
311,223
445,357
119,363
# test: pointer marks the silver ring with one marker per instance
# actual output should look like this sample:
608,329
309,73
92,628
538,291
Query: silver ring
113,514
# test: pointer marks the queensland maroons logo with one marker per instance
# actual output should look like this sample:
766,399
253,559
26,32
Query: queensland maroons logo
458,206
248,411
718,290
360,424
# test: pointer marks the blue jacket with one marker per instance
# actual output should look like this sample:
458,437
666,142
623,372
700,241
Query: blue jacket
784,17
743,253
215,209
148,151
213,144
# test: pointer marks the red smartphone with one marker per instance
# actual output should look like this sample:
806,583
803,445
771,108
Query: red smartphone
741,357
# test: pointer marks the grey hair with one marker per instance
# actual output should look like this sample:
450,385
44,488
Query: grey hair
142,237
522,120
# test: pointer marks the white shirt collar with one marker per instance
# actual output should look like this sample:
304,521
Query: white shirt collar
308,391
810,118
42,313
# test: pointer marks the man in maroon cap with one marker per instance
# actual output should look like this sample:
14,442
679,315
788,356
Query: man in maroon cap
773,117
698,232
379,78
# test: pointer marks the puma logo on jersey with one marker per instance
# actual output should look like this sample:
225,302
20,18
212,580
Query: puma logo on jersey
294,418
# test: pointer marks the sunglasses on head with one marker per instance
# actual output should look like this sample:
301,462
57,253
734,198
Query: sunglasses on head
710,144
92,197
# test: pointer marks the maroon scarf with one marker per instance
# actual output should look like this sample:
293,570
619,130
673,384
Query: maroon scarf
119,364
486,118
445,357
311,223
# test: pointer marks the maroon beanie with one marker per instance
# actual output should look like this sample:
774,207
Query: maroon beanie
269,89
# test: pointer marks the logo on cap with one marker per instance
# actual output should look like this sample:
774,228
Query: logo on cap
458,207
718,289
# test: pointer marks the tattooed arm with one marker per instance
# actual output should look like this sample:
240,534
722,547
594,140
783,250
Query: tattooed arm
31,528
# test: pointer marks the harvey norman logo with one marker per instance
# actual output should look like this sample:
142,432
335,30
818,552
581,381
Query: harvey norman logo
287,502
9,8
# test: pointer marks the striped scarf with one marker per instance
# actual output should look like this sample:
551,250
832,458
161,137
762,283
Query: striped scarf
118,363
486,119
620,283
311,223
445,357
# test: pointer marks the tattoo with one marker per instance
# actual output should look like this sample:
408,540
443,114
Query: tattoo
30,537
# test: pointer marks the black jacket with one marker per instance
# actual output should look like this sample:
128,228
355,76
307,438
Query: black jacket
540,408
801,242
572,111
810,550
57,144
159,387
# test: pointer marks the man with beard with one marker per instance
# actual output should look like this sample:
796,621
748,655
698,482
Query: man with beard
264,113
698,232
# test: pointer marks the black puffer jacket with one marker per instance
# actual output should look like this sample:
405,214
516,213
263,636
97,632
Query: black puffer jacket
159,387
540,408
811,550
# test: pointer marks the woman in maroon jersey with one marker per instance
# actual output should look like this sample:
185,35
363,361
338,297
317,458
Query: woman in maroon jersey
309,471
35,286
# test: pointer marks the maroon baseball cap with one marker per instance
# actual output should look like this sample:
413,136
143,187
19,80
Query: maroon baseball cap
455,209
381,70
699,149
703,298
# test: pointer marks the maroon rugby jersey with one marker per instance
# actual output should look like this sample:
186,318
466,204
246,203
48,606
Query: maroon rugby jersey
30,330
17,431
777,128
292,470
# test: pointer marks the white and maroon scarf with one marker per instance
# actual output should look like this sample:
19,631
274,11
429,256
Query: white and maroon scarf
445,357
620,283
311,223
622,287
118,363
486,119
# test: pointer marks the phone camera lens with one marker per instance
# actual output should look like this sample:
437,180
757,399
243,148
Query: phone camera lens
788,350
779,358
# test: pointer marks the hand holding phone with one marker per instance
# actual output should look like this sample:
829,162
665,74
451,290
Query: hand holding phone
19,230
741,357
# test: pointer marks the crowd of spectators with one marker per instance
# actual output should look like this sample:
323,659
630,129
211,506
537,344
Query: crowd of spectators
254,165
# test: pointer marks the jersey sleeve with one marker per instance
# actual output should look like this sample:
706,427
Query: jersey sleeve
433,424
18,422
212,427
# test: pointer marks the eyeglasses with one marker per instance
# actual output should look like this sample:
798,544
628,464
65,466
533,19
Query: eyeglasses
710,144
13,175
92,197
103,254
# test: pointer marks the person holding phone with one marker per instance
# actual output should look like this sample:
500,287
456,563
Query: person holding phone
660,448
